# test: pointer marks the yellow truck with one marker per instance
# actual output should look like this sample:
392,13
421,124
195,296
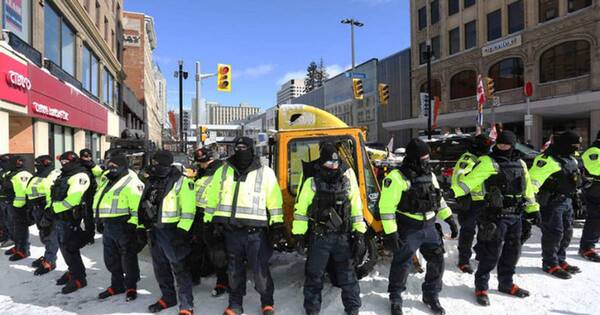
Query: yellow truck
295,143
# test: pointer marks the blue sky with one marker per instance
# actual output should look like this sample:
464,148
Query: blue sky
268,41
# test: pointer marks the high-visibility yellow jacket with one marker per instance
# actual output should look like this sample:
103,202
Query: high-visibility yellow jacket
178,205
258,197
202,184
393,188
591,162
120,199
39,187
19,183
78,184
463,166
305,200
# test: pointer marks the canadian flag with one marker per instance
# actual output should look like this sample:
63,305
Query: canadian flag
480,91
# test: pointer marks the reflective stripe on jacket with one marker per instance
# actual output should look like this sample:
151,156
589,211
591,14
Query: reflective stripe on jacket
122,199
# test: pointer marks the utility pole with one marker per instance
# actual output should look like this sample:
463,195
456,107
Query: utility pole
198,102
428,54
352,23
182,75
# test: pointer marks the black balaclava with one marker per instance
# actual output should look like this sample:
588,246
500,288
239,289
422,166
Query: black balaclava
565,144
72,162
4,161
161,163
242,159
202,155
15,163
506,137
416,149
481,145
329,153
120,170
43,165
89,164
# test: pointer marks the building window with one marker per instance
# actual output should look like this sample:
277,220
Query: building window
435,48
105,29
112,40
494,23
470,34
435,11
507,74
575,5
422,52
515,17
566,60
469,3
463,84
97,14
453,7
436,88
89,65
422,18
59,40
109,83
548,10
454,41
16,17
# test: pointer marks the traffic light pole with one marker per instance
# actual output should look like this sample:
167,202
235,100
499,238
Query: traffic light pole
198,100
429,118
180,76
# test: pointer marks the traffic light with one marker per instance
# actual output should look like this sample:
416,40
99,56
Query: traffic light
203,133
224,78
489,85
357,89
384,93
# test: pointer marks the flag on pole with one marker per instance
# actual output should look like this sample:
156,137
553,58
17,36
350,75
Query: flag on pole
480,100
436,111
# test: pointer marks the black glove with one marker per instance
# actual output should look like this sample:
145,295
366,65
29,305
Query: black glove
99,226
182,237
453,227
277,234
449,194
358,246
141,239
533,217
487,231
525,231
300,243
391,242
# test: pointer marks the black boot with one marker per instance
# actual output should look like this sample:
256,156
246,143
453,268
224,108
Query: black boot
18,255
109,292
159,306
130,295
515,291
11,251
64,278
570,268
38,262
396,309
557,272
73,285
44,268
466,268
482,298
590,254
434,305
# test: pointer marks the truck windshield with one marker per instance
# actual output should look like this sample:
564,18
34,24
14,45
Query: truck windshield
302,151
372,189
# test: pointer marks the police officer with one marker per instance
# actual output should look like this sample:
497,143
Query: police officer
5,237
508,192
591,228
94,172
38,201
245,199
331,202
410,201
167,209
67,195
207,249
87,160
116,205
556,174
471,203
15,185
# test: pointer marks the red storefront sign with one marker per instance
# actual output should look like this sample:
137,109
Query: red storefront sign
15,83
54,101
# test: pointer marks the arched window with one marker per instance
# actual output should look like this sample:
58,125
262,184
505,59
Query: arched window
507,74
436,88
566,60
463,84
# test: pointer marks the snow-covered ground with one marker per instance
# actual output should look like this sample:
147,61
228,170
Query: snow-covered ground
23,293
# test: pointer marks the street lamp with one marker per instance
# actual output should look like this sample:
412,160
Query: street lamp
352,23
428,56
182,75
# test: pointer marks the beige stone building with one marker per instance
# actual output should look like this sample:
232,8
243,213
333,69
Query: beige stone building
223,115
554,44
63,60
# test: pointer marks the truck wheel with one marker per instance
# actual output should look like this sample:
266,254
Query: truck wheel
369,260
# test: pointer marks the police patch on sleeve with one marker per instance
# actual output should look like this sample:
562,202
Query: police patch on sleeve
24,179
540,163
463,165
387,182
593,157
191,185
82,181
140,188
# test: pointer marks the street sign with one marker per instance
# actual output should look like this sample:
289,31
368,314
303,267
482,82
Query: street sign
528,89
528,120
212,135
355,75
425,110
496,101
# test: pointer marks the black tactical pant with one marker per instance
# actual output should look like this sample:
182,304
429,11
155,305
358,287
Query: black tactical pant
557,231
503,251
20,228
321,249
120,255
417,236
251,246
591,228
467,219
5,221
48,235
169,258
66,232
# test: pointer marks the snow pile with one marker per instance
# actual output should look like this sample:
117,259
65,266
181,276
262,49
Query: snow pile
23,293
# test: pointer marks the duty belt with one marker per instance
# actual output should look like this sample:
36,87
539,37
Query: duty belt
509,212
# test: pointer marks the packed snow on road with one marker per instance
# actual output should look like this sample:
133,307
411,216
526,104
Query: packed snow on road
23,293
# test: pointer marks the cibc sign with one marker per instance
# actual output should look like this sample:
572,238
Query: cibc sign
49,111
18,80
